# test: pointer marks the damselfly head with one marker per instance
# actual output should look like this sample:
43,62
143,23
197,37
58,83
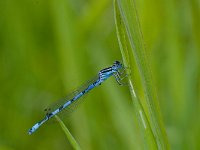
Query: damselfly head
117,65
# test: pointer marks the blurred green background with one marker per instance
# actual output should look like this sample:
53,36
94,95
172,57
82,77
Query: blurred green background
48,48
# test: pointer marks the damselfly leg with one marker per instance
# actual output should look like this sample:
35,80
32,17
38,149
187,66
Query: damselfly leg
121,75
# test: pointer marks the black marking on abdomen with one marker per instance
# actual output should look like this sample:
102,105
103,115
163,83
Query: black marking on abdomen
49,115
60,108
83,91
72,100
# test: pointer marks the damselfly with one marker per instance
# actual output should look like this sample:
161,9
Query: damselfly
104,74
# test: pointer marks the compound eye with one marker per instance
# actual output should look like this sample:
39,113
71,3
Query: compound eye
117,62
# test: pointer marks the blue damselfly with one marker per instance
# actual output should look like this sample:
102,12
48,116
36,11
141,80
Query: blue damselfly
104,74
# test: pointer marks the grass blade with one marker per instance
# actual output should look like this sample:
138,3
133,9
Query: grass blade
71,139
133,53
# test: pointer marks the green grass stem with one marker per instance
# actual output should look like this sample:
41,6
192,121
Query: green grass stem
71,139
133,53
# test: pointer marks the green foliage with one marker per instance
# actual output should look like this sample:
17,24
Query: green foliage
132,48
68,134
48,48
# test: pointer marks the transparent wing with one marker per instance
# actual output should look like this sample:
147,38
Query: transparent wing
71,95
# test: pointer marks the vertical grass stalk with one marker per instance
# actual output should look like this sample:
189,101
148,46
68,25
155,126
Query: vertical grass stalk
71,139
133,53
